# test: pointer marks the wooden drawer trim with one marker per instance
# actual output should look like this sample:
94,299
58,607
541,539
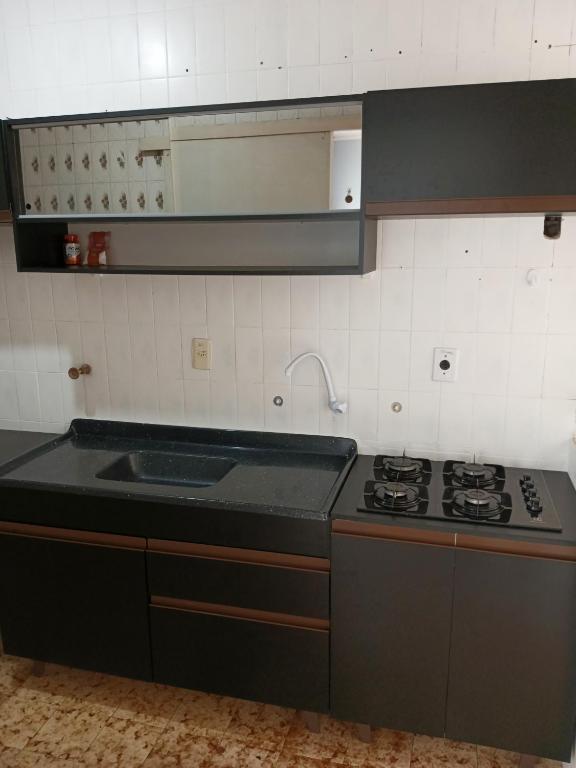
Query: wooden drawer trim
5,216
238,555
234,612
474,205
72,536
521,548
394,533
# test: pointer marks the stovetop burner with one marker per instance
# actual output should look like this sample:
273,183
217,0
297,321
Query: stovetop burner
395,495
402,469
475,502
473,474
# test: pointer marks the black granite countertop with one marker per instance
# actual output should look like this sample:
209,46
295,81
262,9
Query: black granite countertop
255,489
14,443
559,485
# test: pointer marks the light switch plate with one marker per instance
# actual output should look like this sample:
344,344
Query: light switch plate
445,366
202,354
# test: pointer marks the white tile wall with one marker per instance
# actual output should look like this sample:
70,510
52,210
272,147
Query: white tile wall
493,288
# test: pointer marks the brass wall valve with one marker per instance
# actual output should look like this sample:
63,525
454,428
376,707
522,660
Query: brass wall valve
83,370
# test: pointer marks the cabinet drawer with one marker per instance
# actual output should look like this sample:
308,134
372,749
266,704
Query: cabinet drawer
269,662
286,584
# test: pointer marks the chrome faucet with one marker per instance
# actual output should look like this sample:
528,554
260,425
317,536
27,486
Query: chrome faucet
335,405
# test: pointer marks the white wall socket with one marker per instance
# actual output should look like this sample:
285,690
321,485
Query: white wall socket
445,366
202,354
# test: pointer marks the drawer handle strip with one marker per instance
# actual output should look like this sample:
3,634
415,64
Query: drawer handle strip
234,612
238,555
72,536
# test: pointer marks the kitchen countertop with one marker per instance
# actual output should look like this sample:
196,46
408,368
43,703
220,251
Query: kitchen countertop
559,485
277,494
15,443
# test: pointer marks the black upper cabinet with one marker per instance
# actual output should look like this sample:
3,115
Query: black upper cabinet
80,604
512,659
494,148
5,213
391,614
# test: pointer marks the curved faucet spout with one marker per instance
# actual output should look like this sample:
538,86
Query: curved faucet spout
335,405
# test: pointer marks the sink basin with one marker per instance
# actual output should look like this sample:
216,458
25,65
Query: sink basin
161,468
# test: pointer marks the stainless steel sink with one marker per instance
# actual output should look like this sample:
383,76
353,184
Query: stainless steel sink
160,468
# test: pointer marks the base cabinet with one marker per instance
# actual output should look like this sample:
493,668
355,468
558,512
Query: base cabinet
475,641
254,660
391,609
79,604
513,655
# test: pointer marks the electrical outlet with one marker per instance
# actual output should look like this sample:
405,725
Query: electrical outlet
202,354
445,366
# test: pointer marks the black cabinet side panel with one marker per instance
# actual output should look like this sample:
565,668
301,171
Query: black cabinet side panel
75,604
498,139
391,615
276,664
4,195
513,659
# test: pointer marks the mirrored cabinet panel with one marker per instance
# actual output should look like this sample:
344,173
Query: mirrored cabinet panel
263,162
265,187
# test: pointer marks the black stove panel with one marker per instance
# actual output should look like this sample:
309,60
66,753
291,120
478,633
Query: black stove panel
463,492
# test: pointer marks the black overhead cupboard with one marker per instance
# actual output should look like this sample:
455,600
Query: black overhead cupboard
470,149
305,193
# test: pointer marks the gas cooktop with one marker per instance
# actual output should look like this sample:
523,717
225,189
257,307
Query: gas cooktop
460,491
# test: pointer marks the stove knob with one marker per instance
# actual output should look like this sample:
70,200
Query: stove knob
534,506
525,478
531,494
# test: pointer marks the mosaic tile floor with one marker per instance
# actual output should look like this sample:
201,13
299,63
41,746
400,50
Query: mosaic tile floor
74,719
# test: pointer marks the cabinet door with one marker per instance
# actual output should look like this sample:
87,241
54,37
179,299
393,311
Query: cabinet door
513,656
258,660
472,142
391,611
80,604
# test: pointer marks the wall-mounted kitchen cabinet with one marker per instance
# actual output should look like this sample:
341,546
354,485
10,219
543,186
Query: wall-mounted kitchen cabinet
5,212
271,187
471,149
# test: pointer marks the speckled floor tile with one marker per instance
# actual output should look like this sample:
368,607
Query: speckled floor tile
428,752
74,719
22,715
289,760
13,672
497,758
261,725
121,744
178,747
337,741
205,712
149,703
68,734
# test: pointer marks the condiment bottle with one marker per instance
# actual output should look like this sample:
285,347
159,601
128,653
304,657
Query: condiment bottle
98,246
72,254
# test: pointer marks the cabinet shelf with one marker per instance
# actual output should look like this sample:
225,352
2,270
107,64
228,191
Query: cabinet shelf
339,215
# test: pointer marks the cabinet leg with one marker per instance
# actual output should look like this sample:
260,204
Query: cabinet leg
38,668
527,761
364,732
312,721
